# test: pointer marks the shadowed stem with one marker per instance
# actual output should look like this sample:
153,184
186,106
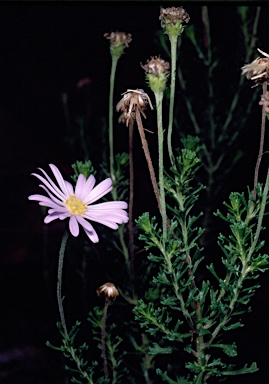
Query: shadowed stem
104,337
259,159
59,282
111,93
159,98
131,196
173,41
148,158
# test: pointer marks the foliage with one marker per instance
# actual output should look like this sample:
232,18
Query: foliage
173,303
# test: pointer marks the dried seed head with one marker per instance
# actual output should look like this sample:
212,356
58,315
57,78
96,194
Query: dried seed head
172,20
108,290
118,42
258,70
132,99
156,71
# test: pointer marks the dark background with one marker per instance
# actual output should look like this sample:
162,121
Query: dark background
45,49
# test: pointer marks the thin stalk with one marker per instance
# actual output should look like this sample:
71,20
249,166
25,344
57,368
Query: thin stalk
69,348
159,98
259,159
104,337
131,196
260,219
148,158
111,151
111,109
210,65
173,42
59,282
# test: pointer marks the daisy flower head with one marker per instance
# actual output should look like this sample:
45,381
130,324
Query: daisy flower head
76,204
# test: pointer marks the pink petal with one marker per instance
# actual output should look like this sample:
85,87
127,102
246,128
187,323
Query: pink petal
50,218
84,223
64,215
119,217
60,210
69,187
109,205
51,185
80,184
99,191
44,201
88,187
59,178
53,198
92,235
73,226
102,220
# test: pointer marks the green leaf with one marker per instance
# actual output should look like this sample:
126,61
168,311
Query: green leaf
233,326
158,350
229,349
253,368
198,379
167,379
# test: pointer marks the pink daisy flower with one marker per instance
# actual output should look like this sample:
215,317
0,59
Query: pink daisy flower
65,202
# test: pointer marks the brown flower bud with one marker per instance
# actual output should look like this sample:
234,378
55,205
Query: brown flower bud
119,38
108,290
173,15
156,66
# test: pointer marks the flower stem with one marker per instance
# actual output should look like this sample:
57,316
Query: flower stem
104,337
173,42
148,158
59,282
131,197
259,159
110,127
159,98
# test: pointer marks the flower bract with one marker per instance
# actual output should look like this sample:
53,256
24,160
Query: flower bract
76,204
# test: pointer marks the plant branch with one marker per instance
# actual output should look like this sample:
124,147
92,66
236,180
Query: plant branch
59,282
259,159
148,158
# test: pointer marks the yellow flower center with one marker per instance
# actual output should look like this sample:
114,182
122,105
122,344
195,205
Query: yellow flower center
75,206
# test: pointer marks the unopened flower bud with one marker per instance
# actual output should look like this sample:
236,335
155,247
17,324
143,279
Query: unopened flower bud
173,20
156,73
118,42
108,290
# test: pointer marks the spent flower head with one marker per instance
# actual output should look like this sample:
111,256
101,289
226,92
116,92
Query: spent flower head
257,70
77,204
173,20
118,42
132,99
157,72
108,290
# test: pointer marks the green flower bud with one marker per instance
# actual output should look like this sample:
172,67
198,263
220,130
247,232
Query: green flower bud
118,42
86,168
156,73
235,201
144,223
173,19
